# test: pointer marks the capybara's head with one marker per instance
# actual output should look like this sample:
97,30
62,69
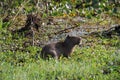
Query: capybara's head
73,40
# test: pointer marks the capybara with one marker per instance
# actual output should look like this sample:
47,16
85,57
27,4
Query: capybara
57,49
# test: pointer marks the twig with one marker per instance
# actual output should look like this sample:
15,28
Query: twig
19,10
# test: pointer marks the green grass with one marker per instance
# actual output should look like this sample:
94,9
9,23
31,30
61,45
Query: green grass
98,61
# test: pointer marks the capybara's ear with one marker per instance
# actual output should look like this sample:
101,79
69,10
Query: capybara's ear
68,36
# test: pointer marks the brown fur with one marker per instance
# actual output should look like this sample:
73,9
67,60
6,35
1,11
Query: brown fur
60,48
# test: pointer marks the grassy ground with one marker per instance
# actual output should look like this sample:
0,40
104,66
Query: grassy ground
97,59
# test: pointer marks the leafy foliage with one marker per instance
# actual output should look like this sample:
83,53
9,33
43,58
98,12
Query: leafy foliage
86,8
